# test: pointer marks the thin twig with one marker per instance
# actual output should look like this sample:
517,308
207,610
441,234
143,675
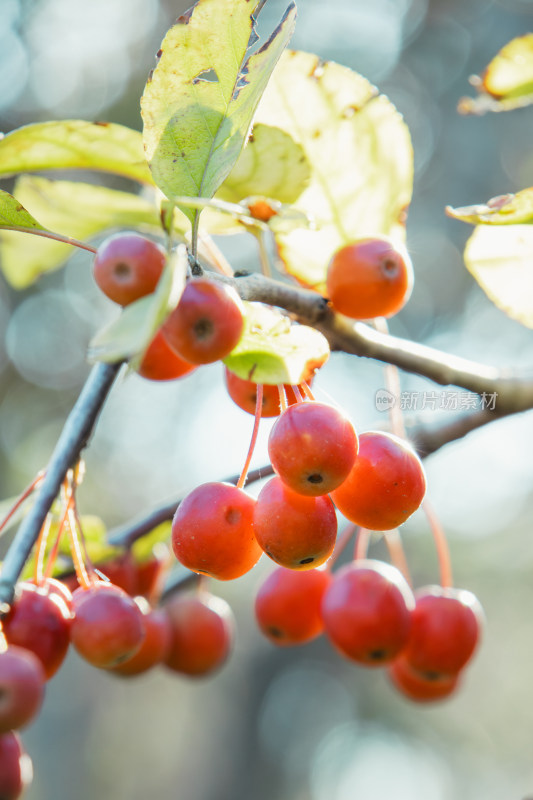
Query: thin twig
74,436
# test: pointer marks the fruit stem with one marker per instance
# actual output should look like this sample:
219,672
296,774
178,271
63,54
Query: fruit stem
361,544
297,393
282,398
257,420
307,391
264,257
393,540
75,544
341,543
24,496
42,541
441,543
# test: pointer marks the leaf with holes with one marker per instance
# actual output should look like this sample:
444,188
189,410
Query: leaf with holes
75,210
127,337
75,144
198,105
360,154
501,260
507,82
507,209
273,351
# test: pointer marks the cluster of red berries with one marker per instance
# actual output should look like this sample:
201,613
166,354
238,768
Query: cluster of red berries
191,634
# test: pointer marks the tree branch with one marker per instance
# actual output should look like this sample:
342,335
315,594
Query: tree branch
513,392
74,436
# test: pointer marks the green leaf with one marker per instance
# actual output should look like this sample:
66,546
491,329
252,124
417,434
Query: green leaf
127,337
14,217
272,350
75,144
76,210
143,549
360,154
271,165
501,260
507,209
198,105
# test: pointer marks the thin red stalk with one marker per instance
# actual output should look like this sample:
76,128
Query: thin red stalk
24,496
87,560
282,398
307,391
441,543
41,551
361,544
257,420
394,544
341,543
297,393
75,548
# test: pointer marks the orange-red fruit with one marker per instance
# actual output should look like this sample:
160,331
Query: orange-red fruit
40,620
154,648
367,612
108,626
207,322
21,687
161,363
244,394
312,447
287,606
370,278
16,771
386,484
202,628
212,531
128,266
295,531
445,632
418,687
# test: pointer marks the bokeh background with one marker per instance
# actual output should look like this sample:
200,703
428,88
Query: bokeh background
300,724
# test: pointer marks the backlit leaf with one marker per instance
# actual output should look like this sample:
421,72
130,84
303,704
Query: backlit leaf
360,154
272,350
77,210
501,260
198,105
75,144
507,209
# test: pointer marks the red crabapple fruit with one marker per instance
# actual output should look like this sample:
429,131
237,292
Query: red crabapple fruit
128,266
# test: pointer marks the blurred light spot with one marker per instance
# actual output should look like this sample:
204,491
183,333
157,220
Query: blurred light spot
300,707
369,762
13,67
47,341
440,55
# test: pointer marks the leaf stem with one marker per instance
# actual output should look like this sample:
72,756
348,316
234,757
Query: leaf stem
57,237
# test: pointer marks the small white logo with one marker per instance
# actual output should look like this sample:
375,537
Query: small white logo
384,400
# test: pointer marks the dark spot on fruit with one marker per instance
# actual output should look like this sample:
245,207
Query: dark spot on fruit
377,655
203,329
307,560
390,266
276,632
431,675
315,478
233,516
122,270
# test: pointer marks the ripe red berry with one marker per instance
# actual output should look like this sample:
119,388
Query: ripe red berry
386,484
367,612
21,687
108,626
154,648
244,394
312,447
202,633
370,278
128,266
287,606
212,531
420,688
207,322
40,620
295,531
445,631
161,363
16,771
